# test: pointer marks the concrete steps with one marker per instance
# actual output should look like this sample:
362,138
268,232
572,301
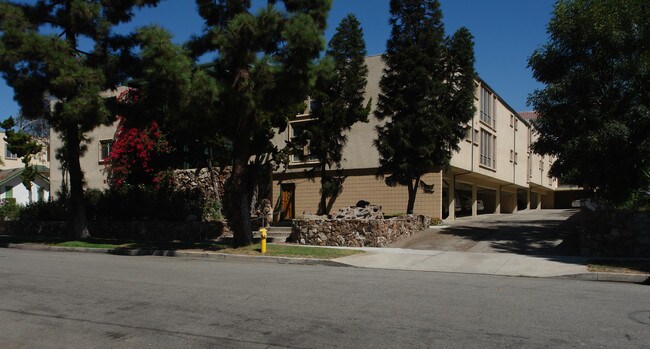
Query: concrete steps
274,234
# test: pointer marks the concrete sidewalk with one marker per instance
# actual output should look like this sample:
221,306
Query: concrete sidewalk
506,264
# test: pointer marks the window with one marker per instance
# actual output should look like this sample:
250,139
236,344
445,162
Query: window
105,149
530,167
488,150
516,156
468,133
541,165
312,105
303,154
516,124
41,194
512,120
9,155
475,137
487,107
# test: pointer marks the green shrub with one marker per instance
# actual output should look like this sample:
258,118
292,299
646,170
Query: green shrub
129,203
57,210
10,210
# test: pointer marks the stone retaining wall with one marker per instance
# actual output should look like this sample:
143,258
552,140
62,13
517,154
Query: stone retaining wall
192,180
609,233
355,232
149,230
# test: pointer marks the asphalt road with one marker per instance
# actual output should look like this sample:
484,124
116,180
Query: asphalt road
75,300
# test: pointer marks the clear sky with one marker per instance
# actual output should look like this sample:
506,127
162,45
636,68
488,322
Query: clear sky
505,34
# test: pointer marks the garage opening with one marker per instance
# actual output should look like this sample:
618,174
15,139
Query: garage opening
535,200
487,199
463,201
522,199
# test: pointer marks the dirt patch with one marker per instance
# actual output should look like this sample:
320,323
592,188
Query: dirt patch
626,267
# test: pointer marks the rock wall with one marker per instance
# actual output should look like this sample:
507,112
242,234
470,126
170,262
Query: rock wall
355,232
611,233
192,180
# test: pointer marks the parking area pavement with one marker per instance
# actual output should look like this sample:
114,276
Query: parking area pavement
530,232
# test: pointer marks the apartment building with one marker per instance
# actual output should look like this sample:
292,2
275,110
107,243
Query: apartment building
493,172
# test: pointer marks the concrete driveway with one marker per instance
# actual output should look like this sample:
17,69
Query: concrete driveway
533,232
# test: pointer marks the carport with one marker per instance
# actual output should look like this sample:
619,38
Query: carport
489,198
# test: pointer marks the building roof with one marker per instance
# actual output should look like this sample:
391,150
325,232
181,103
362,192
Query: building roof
529,115
8,175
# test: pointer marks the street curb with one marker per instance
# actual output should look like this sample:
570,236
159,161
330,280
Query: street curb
186,254
610,277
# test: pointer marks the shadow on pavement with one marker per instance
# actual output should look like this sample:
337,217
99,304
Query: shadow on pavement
555,235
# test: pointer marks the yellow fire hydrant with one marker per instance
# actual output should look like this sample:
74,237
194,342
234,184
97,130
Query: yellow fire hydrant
263,235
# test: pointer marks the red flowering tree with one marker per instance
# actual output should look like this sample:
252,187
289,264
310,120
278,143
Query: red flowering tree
137,155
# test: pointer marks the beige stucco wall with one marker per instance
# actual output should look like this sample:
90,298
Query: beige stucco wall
508,138
357,187
539,178
91,164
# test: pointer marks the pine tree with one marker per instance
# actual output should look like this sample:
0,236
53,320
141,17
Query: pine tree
426,95
338,98
261,69
36,64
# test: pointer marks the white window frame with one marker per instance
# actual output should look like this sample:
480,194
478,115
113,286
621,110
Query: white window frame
488,107
109,145
306,153
487,152
9,155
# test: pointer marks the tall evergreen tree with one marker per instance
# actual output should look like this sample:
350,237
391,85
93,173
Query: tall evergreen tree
338,103
262,67
40,54
595,106
426,95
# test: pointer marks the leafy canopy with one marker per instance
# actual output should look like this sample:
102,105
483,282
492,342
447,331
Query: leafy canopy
595,107
261,73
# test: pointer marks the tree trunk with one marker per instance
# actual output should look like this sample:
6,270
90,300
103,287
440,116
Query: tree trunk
322,205
240,216
413,190
80,221
29,194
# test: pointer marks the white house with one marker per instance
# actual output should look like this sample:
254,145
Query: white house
12,187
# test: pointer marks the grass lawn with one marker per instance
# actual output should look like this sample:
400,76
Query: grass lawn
626,267
292,251
85,244
278,250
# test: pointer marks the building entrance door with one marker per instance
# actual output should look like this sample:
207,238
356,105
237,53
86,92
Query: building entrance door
288,209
